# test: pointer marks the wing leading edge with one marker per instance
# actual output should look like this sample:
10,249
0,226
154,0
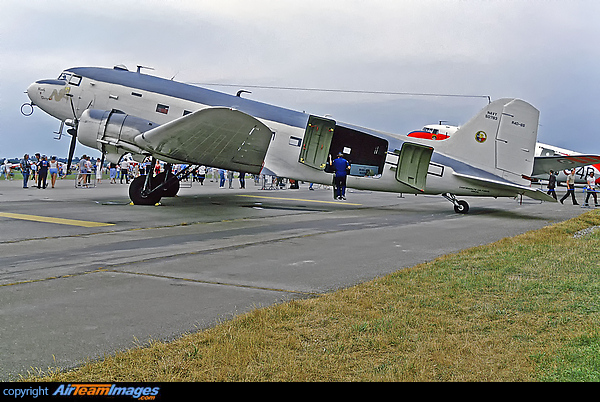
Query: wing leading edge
219,137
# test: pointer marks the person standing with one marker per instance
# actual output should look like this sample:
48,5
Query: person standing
147,166
82,177
37,160
242,178
341,168
591,189
570,188
113,173
33,174
552,185
125,171
201,174
230,178
90,170
98,170
7,169
25,169
221,178
53,165
42,172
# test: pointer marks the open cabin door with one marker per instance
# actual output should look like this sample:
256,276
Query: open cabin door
413,163
324,137
317,141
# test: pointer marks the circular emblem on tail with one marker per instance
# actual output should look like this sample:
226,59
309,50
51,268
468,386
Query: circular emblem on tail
480,137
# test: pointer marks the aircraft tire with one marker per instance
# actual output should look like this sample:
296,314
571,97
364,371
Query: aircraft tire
135,193
462,207
170,191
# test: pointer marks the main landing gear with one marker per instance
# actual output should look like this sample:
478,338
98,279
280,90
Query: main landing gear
149,189
460,206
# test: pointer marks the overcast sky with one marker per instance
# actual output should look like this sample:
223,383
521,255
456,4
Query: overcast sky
543,51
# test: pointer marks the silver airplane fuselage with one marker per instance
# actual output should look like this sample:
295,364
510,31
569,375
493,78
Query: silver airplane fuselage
378,158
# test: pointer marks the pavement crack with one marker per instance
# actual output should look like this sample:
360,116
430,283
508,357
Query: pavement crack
204,281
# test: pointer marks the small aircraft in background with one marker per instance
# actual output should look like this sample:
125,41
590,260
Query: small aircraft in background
118,111
436,132
546,156
584,164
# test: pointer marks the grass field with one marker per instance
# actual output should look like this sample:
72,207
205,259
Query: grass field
521,309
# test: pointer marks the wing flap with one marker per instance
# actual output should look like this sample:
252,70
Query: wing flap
517,189
217,137
543,164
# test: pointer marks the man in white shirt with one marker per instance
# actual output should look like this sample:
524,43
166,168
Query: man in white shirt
591,189
125,170
570,188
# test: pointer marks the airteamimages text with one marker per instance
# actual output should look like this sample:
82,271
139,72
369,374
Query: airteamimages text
141,393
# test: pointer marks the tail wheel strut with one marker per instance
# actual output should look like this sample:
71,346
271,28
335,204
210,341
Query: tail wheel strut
460,206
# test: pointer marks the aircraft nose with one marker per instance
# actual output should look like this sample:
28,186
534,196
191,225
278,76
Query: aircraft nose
30,92
34,92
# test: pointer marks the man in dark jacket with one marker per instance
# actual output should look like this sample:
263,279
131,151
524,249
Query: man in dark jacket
552,185
25,169
42,172
341,168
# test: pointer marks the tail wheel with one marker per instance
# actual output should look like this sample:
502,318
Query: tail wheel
137,195
461,207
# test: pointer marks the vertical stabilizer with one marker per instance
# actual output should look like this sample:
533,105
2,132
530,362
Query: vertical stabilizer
500,139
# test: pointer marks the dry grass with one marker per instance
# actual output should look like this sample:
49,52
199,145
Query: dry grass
522,309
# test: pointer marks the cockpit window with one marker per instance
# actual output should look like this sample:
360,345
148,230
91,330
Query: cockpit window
75,80
64,76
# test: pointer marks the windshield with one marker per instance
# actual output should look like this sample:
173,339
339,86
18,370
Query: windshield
70,78
64,76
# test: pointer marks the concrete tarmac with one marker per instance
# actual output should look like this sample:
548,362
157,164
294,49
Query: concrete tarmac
84,274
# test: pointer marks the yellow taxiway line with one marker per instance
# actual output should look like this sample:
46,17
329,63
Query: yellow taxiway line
297,199
61,221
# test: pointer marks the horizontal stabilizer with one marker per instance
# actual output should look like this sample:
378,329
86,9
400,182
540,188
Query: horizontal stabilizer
218,137
509,187
543,164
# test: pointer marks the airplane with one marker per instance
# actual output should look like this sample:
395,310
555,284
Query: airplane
436,132
118,111
584,164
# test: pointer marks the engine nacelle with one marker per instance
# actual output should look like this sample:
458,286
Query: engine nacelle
111,132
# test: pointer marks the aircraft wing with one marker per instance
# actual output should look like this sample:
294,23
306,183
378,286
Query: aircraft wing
543,164
217,136
534,193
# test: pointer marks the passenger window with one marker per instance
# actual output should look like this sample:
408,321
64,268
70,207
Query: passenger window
164,109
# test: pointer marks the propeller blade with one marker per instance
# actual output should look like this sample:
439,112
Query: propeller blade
102,160
73,133
71,149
